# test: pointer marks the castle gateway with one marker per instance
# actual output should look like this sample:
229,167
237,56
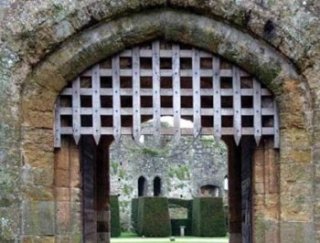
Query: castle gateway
78,76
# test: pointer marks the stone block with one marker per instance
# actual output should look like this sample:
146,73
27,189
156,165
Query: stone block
37,158
296,232
38,218
296,172
62,156
76,218
37,97
271,200
43,176
295,140
266,231
63,216
75,194
62,178
37,239
75,173
258,200
77,238
37,193
45,239
9,223
39,119
296,201
63,239
38,137
62,193
259,188
258,173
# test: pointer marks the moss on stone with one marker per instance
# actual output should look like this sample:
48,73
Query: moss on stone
122,173
114,166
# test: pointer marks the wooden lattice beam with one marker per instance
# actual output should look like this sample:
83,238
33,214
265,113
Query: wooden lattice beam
163,79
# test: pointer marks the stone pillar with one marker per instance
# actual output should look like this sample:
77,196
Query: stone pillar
266,207
296,188
296,164
68,193
38,203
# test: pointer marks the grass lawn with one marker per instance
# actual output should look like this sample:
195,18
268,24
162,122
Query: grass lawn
167,240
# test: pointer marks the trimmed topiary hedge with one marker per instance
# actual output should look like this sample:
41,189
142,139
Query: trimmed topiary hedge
134,214
208,217
153,217
115,216
176,223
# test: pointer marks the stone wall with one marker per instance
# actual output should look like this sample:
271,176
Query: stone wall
183,168
45,44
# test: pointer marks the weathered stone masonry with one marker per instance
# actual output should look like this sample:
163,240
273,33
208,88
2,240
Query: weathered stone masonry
44,44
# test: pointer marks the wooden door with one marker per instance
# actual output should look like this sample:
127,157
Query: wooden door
247,147
88,164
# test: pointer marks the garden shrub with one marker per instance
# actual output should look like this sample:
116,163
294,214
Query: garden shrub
208,218
153,217
115,216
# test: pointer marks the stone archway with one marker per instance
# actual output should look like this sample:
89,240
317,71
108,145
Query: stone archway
160,79
142,186
157,184
50,77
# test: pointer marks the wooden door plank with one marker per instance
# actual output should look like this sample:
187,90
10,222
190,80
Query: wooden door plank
156,89
116,98
261,107
196,92
216,98
257,111
236,105
96,117
276,126
176,91
57,124
136,93
76,116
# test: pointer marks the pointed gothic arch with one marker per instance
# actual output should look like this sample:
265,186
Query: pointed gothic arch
275,71
162,78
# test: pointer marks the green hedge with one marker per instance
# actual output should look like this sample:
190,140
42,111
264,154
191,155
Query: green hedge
153,217
115,217
176,223
208,217
134,214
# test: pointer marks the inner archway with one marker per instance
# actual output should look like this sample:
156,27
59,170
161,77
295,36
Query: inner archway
157,186
210,190
142,186
161,78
